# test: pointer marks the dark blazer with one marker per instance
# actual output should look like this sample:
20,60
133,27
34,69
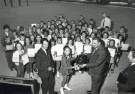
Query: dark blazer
3,37
43,61
126,79
99,61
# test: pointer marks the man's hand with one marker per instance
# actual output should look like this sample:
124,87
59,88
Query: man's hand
76,67
53,69
49,68
82,66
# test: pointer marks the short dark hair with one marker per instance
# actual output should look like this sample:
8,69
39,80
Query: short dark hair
105,33
98,39
65,47
133,54
59,38
87,39
44,39
17,42
27,37
69,40
6,26
111,41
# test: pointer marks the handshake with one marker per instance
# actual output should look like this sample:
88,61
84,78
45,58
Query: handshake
78,67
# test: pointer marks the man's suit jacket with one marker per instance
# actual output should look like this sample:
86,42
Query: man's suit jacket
99,61
126,79
3,37
43,61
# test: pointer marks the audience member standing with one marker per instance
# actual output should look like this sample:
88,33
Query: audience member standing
17,59
106,21
7,33
57,52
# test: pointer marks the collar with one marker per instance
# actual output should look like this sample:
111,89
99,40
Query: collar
44,50
133,63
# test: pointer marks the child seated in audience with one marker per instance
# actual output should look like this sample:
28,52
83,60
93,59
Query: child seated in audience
92,36
22,38
9,48
123,32
115,38
83,36
113,50
37,44
65,38
119,50
105,38
78,45
17,59
71,45
90,29
57,52
87,48
29,49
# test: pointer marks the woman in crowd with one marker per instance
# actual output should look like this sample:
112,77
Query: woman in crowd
71,45
9,48
17,59
105,38
78,45
87,48
57,52
28,68
113,51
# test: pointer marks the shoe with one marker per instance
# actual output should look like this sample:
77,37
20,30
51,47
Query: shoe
61,90
89,92
67,88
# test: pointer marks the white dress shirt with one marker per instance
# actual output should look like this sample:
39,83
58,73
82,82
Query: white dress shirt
105,22
79,47
64,41
87,49
57,52
112,51
106,41
16,57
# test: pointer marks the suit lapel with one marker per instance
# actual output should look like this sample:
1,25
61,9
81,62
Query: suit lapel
43,52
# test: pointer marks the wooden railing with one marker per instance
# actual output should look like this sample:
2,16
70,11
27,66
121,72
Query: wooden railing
17,83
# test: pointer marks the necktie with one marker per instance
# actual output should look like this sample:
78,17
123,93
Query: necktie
94,51
104,22
46,52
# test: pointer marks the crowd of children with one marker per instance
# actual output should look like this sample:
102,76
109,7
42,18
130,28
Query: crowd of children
66,39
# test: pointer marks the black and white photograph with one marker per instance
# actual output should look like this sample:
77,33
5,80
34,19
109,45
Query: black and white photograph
67,46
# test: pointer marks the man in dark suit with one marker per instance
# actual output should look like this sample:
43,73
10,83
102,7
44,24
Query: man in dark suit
45,67
6,33
126,78
98,65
